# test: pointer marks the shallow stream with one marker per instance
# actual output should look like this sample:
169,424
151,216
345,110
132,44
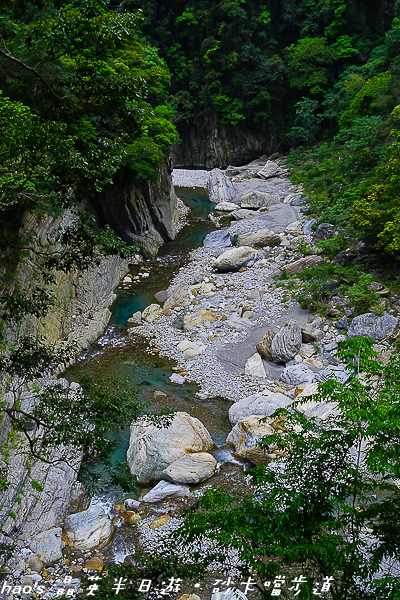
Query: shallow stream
130,358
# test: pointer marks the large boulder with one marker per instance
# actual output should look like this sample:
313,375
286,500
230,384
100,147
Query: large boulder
226,206
262,403
218,239
254,366
256,200
198,318
88,529
237,258
297,374
304,263
246,434
295,228
259,239
369,325
286,344
164,490
180,296
219,187
264,345
152,449
48,546
192,468
269,170
338,372
151,313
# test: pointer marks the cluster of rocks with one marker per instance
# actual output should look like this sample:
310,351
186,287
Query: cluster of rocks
236,334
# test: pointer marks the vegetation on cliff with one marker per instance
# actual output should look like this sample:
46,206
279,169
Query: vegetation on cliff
82,95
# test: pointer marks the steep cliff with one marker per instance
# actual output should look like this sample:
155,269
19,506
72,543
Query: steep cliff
210,145
141,212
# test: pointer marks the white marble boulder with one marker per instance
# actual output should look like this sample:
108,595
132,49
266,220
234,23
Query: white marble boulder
152,449
262,403
237,258
89,529
192,468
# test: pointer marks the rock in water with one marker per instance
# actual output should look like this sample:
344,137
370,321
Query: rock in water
152,449
369,325
286,343
180,297
256,200
262,403
135,319
259,239
218,239
192,468
236,258
245,436
219,187
88,529
264,345
48,545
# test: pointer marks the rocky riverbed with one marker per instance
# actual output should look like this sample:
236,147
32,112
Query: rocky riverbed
231,329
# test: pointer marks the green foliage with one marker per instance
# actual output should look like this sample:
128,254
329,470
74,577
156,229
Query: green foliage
315,512
306,122
309,60
351,283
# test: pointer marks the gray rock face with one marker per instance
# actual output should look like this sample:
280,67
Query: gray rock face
304,263
325,231
152,449
259,239
218,239
236,258
48,546
369,325
163,490
256,200
220,188
263,403
297,375
179,297
192,468
287,342
140,212
88,529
